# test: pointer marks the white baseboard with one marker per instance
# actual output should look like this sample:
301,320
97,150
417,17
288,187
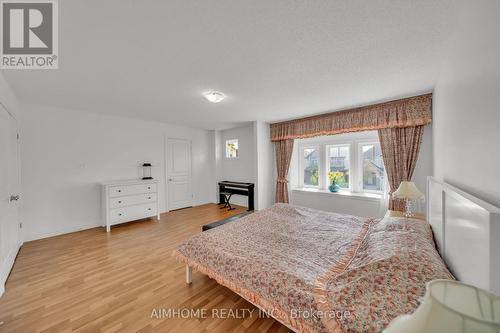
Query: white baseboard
7,266
60,231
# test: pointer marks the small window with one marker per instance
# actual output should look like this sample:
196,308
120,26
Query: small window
372,164
232,148
311,158
338,160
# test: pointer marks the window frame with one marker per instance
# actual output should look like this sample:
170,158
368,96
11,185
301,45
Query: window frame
360,144
302,165
355,165
237,149
327,147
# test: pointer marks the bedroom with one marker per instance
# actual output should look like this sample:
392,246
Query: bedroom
254,102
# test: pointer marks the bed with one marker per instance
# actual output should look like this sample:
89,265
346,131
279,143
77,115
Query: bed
316,271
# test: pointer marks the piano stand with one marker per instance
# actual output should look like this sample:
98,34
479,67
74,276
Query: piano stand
246,189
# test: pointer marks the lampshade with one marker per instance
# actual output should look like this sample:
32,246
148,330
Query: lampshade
407,190
451,307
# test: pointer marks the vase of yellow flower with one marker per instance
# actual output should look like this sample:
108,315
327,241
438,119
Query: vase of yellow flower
335,178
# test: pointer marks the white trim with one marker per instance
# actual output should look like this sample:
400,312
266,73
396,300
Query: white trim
68,230
355,166
341,194
351,162
7,267
360,168
302,165
238,149
167,202
62,231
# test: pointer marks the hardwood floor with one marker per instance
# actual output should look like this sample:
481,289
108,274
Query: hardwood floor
91,281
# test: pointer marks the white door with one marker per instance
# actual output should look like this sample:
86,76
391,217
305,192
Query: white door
178,155
10,235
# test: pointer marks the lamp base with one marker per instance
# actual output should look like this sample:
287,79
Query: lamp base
408,209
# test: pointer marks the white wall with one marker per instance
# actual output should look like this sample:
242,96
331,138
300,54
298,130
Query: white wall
8,98
467,103
265,165
255,163
65,154
242,168
357,205
425,165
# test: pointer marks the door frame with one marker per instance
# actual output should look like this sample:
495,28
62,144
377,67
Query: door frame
8,264
167,186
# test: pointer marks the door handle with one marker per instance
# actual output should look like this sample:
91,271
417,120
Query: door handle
14,197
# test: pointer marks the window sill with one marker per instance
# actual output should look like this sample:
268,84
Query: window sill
342,193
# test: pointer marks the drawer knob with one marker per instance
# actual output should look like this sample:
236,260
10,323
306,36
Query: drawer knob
119,202
149,188
149,198
119,214
149,208
119,190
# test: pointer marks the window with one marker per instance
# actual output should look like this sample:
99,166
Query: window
359,160
372,167
338,160
232,148
311,159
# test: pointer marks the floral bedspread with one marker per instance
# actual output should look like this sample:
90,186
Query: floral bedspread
386,277
317,271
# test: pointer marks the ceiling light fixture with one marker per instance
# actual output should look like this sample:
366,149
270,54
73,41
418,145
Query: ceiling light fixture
214,96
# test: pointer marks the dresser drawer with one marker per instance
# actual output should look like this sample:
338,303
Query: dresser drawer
117,191
131,213
132,200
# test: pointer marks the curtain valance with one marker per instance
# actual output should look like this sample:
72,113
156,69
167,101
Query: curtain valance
413,111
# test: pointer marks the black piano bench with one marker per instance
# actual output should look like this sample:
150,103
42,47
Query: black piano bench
227,197
224,221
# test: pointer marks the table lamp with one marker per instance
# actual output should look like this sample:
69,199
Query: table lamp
451,307
409,192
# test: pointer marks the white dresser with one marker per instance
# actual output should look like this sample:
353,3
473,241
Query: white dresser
129,200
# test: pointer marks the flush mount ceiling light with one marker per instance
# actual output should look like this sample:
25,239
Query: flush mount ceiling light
214,96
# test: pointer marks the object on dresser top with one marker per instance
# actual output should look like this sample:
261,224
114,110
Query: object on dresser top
146,171
451,306
129,200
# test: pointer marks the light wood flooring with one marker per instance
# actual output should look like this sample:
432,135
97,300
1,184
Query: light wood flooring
92,281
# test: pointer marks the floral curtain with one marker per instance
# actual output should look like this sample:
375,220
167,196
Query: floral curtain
284,149
400,124
413,111
400,148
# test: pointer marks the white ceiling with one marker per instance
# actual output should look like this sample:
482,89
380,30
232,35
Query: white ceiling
275,59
